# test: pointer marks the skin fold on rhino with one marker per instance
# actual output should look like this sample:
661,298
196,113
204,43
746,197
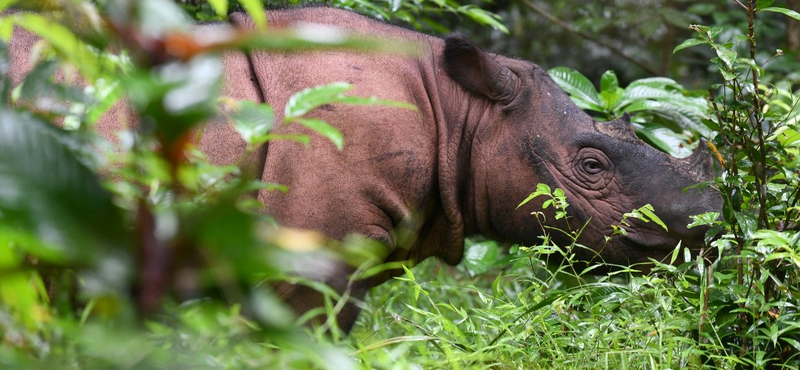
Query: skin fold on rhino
487,130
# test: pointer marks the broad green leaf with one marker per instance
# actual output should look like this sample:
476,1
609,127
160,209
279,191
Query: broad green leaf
609,82
323,128
784,11
676,117
4,4
220,7
479,257
688,43
577,85
747,222
705,219
372,100
656,82
157,18
46,190
484,17
663,138
6,30
761,4
306,100
726,54
41,92
176,96
253,121
610,98
752,65
63,41
255,8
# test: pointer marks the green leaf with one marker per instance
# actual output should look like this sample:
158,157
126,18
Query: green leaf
372,100
38,90
653,131
46,190
541,189
63,41
752,65
17,292
761,4
726,54
479,257
649,213
4,4
784,11
688,43
253,121
609,82
306,100
220,7
578,86
324,129
484,17
255,8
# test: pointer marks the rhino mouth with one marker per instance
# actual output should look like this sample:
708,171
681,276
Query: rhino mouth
652,242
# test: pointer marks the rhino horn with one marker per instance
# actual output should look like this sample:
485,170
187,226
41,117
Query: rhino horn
619,129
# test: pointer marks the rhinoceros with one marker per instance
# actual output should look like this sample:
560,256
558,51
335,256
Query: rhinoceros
486,131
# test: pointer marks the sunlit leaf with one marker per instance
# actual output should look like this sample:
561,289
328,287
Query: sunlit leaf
220,7
4,4
784,11
609,81
761,4
324,129
253,121
687,44
541,189
63,41
479,257
649,213
304,101
255,9
484,17
577,85
726,54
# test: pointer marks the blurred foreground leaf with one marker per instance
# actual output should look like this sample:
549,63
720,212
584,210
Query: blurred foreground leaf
46,191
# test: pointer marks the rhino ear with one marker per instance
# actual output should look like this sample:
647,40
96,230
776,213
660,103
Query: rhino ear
476,70
620,129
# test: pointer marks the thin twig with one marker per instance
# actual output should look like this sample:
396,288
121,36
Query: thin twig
591,38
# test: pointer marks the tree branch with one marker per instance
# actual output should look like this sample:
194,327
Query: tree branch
591,38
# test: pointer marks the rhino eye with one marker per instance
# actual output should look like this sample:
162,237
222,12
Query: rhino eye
592,168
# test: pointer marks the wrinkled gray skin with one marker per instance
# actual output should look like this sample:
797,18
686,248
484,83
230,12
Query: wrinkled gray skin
487,130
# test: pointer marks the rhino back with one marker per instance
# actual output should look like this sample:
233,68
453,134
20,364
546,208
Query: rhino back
380,185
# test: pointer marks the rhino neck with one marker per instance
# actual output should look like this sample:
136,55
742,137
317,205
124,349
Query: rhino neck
462,115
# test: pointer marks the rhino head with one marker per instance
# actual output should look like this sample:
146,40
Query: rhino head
538,135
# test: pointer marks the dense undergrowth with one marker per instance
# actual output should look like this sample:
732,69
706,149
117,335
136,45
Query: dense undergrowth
81,286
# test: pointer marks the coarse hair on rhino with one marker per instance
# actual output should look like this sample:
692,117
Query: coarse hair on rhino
486,131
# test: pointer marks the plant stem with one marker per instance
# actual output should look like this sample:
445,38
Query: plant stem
760,171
